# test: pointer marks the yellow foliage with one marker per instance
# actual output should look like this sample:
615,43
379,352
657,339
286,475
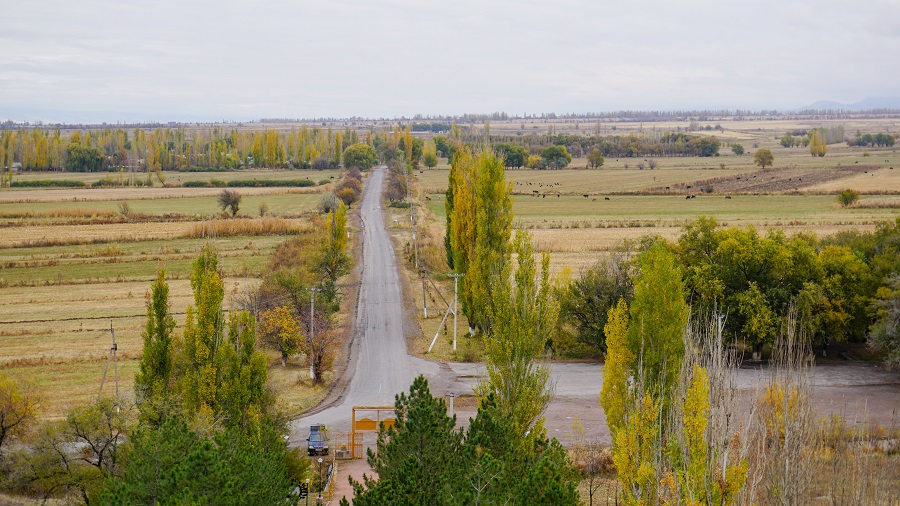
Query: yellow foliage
778,408
634,452
614,394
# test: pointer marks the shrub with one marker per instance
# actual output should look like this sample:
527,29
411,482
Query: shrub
848,197
48,183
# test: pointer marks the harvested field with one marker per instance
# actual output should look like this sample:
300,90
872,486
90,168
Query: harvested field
771,180
113,194
875,181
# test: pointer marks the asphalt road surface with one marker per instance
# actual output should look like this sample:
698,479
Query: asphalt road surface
379,363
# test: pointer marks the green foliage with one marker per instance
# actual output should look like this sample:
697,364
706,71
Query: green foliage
658,317
586,301
230,200
172,464
74,456
848,197
220,376
703,146
737,149
763,158
760,321
528,311
595,158
81,158
885,332
424,460
360,155
513,156
555,157
154,381
480,226
430,160
333,260
415,458
18,410
756,278
47,183
251,183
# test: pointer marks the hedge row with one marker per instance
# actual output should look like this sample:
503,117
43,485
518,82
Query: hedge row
250,183
48,183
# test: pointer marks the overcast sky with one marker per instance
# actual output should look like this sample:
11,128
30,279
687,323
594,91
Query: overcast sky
136,60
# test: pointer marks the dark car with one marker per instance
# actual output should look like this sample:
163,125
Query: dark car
317,441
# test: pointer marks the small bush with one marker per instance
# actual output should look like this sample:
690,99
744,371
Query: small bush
848,197
400,205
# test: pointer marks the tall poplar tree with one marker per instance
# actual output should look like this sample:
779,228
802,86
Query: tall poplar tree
153,381
480,226
658,317
526,306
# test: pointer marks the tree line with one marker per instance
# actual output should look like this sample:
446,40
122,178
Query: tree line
841,286
177,148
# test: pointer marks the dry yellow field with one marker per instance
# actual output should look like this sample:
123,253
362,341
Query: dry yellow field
878,181
110,194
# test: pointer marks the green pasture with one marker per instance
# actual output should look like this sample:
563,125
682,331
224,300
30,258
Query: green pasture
567,210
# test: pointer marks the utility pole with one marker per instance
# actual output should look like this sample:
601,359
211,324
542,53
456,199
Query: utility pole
312,328
424,273
455,303
112,357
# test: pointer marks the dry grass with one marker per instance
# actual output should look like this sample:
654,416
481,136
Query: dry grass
58,213
875,181
244,227
58,235
877,203
108,194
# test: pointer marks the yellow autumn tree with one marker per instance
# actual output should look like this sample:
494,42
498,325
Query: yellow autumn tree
614,394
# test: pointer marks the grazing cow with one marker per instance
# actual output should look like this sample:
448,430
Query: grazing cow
728,197
605,198
667,188
585,195
593,200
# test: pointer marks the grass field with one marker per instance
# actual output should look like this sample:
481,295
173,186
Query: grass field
632,211
72,266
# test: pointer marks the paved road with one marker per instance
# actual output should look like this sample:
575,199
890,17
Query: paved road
379,364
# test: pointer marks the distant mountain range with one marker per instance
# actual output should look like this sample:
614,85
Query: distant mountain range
862,105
